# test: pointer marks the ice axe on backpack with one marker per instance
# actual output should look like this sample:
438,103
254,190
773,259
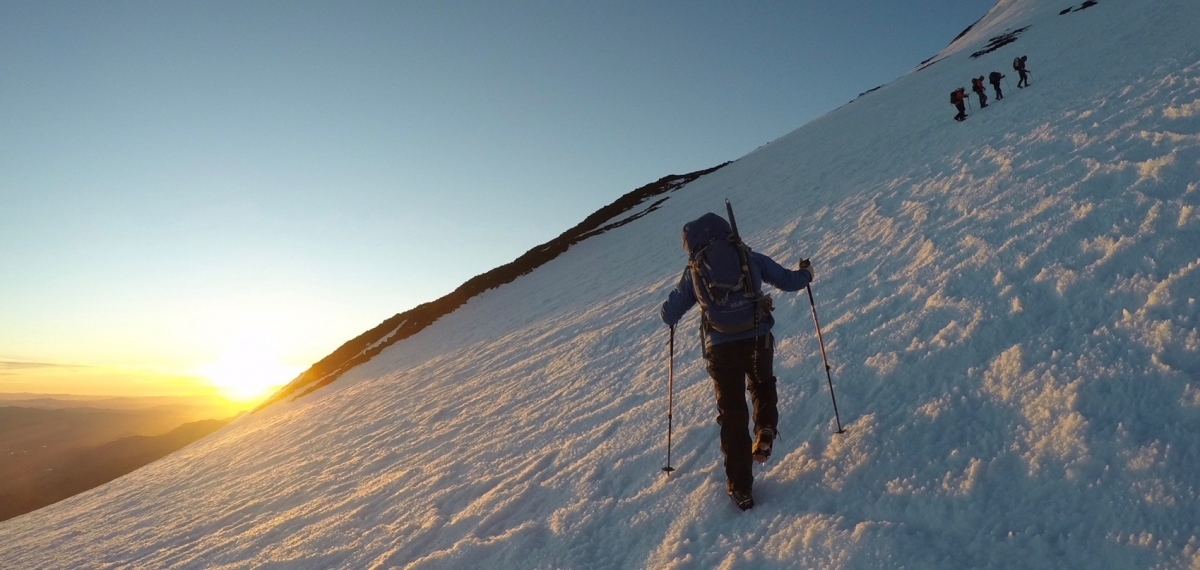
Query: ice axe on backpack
746,273
732,221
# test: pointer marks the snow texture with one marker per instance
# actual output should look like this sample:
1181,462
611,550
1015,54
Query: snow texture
1010,308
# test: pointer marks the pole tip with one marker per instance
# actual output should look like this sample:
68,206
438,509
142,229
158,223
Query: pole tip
668,469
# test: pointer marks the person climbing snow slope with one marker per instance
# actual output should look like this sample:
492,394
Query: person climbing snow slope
958,98
994,78
1019,67
725,277
979,89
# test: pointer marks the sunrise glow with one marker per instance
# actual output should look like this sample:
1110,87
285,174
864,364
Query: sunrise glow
248,372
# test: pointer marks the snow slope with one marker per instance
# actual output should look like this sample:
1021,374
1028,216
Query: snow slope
1009,305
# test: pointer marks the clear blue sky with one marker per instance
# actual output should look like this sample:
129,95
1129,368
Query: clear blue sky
174,175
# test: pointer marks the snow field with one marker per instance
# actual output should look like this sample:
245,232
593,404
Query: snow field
1009,305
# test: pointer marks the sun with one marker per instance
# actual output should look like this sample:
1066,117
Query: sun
248,372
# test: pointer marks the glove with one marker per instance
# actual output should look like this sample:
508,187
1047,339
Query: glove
806,265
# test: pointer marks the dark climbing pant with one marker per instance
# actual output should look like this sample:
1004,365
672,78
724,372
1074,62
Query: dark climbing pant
732,367
962,112
982,98
999,94
1024,82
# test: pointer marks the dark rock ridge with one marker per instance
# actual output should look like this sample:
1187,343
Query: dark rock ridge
1083,6
932,59
403,325
999,42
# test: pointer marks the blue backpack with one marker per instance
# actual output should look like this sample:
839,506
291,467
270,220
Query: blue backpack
728,286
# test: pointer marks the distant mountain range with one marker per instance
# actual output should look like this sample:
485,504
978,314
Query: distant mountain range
49,453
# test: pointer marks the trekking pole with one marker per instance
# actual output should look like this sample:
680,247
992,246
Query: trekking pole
821,339
670,398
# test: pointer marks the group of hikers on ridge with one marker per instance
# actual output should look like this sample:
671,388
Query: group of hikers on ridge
959,96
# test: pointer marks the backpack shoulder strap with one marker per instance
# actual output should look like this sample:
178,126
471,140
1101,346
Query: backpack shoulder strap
745,254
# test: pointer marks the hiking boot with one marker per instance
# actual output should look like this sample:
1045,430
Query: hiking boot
762,444
742,497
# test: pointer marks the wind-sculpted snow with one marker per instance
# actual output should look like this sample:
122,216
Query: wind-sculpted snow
1009,303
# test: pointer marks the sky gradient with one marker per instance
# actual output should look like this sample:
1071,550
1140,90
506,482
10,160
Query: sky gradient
181,180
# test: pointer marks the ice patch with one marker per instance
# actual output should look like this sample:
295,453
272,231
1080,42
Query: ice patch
846,455
1185,215
1062,277
1158,139
1191,396
1051,431
1146,457
962,484
1152,169
1186,110
935,408
884,363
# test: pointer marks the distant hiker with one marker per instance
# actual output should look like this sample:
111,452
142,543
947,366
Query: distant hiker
726,278
994,78
977,87
958,98
1019,67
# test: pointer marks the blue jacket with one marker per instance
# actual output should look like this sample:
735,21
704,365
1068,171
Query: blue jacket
684,297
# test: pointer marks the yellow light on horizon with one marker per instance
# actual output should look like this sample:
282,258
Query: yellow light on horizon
248,372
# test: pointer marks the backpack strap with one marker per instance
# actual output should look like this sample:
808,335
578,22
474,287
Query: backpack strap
719,292
747,278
